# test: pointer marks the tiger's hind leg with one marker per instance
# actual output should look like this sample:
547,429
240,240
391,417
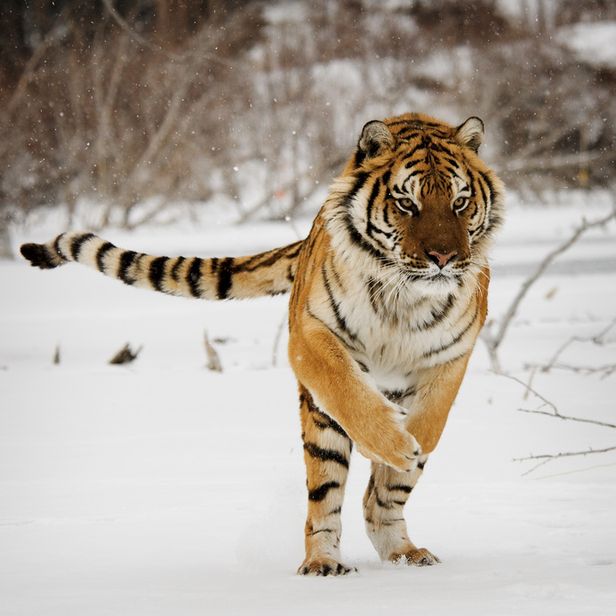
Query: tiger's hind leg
327,452
384,500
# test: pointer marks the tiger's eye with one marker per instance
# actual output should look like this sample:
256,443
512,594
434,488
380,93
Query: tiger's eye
407,205
460,203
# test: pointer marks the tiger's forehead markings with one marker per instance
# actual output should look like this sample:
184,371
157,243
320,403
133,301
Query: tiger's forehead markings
436,171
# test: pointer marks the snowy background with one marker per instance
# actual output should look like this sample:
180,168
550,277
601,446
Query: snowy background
158,488
152,488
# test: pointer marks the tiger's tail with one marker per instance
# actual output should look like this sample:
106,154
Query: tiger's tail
266,273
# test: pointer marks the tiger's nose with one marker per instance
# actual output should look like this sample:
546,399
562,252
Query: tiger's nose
441,259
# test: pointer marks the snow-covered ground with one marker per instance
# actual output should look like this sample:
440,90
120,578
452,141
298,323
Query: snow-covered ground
158,488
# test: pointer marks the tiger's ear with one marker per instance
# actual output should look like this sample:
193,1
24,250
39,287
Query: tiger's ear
470,133
375,139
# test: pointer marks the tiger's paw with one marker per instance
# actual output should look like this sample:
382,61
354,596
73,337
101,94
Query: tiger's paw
324,567
394,447
417,557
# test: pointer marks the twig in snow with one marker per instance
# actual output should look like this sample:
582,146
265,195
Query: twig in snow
596,339
278,337
213,360
125,355
604,370
554,412
56,356
544,458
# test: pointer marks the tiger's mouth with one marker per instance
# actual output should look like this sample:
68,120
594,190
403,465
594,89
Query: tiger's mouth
429,275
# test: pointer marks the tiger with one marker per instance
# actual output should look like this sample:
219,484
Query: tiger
388,293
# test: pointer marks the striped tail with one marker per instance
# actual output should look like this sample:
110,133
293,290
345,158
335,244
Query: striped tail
266,273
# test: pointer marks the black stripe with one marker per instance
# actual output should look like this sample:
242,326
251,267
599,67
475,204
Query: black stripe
375,290
373,195
437,316
126,260
306,398
324,422
329,329
400,394
398,122
194,276
371,228
295,249
335,306
319,494
175,270
358,239
100,255
482,190
360,180
321,530
411,163
489,184
382,504
457,339
265,259
401,487
78,242
327,455
453,171
157,272
225,278
438,147
391,521
56,246
386,207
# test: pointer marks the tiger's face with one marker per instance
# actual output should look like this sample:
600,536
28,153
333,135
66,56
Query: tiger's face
422,199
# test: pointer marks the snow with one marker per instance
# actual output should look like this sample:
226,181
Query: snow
593,42
161,488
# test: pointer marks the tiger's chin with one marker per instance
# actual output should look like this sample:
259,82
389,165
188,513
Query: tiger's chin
439,285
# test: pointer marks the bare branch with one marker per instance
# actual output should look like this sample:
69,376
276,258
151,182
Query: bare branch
146,43
56,35
493,341
558,415
277,338
596,339
564,454
555,412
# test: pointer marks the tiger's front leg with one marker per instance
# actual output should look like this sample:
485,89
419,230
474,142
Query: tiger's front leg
384,500
389,489
327,452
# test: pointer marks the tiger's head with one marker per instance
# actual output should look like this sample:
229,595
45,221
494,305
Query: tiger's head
417,196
